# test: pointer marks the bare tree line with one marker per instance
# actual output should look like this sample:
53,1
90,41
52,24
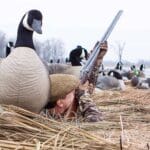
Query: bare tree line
50,49
54,49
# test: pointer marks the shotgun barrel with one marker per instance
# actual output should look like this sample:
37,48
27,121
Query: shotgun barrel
91,65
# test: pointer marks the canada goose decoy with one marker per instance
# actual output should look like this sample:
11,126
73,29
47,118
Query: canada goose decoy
135,72
24,80
119,65
78,55
9,48
141,83
77,58
109,82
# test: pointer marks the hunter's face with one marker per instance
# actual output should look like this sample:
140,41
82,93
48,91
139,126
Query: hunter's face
63,104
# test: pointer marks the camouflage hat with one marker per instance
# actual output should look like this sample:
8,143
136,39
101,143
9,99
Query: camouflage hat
61,85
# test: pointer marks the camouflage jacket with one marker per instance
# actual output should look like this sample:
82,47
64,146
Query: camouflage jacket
86,110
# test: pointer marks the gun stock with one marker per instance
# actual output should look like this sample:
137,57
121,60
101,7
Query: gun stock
91,68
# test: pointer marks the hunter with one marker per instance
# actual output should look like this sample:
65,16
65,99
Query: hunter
70,100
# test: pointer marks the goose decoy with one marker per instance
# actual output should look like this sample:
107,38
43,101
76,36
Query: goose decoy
77,58
119,65
135,72
78,55
141,83
142,67
113,80
24,79
9,48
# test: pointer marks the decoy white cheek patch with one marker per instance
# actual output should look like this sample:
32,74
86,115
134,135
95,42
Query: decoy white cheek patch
82,54
25,23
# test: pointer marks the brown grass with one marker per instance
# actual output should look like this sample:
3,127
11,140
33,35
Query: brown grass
133,106
126,121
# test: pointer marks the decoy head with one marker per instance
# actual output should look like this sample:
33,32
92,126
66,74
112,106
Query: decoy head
32,21
115,74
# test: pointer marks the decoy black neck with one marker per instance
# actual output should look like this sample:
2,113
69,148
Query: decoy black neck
116,74
24,37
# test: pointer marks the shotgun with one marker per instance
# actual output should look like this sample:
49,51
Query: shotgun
90,70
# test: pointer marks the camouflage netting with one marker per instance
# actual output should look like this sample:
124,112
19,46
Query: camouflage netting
126,124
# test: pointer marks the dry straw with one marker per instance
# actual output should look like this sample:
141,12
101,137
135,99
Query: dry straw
21,129
126,125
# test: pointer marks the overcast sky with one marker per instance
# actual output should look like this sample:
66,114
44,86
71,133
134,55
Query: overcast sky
83,22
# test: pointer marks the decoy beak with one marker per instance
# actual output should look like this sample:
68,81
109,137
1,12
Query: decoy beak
37,26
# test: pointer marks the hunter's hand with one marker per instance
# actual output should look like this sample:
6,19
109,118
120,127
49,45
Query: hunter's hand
87,87
104,46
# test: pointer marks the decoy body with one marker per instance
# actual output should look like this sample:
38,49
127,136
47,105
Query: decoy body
24,80
109,81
